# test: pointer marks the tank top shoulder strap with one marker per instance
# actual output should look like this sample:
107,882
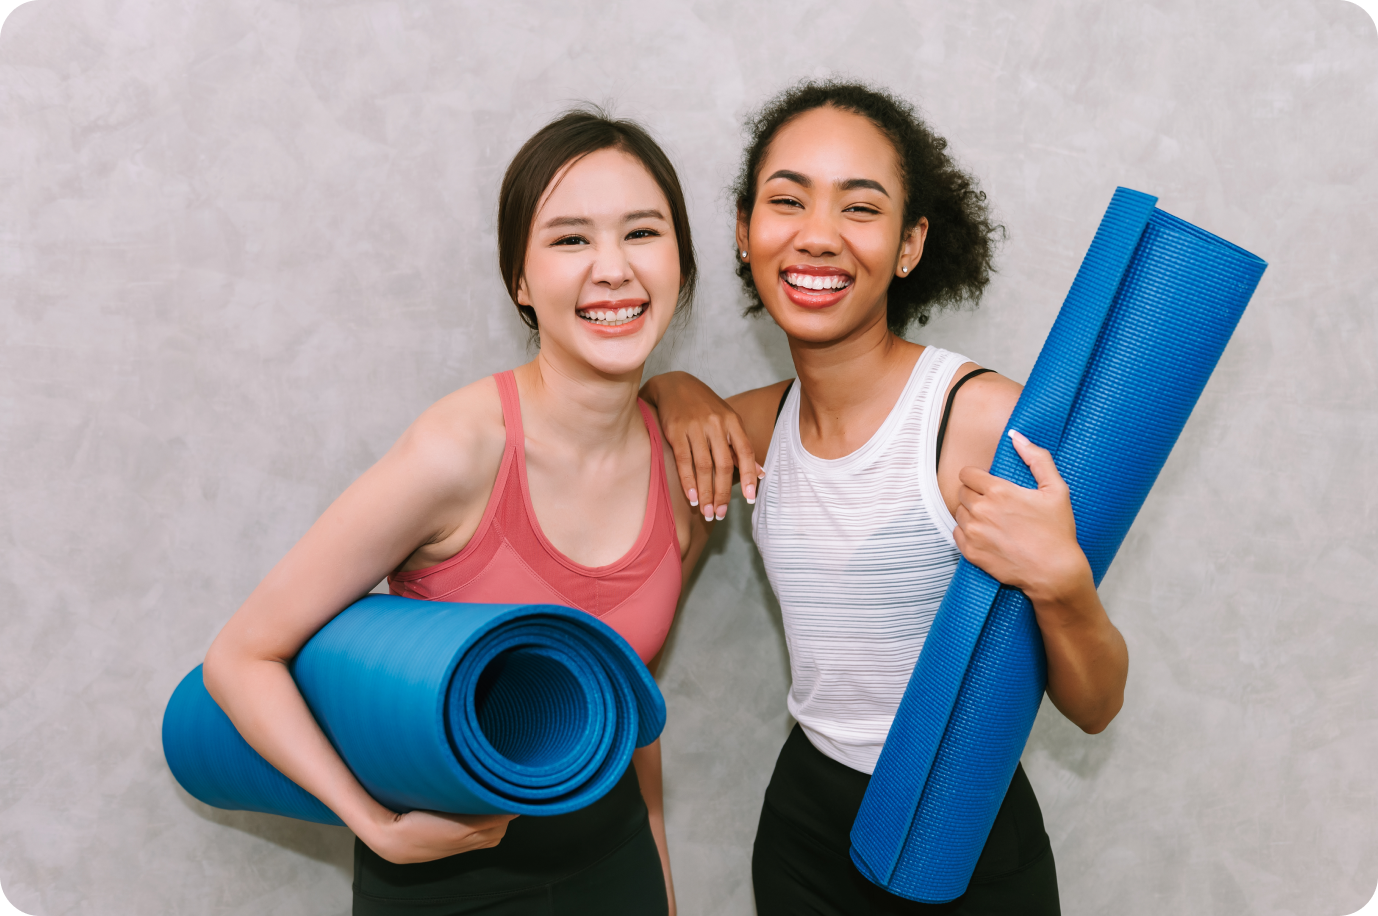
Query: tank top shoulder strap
506,512
784,396
660,482
511,410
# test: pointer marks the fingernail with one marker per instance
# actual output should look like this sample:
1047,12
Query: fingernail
708,512
722,511
749,492
760,472
693,496
1016,434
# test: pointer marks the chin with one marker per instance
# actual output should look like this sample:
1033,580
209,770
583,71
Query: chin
616,359
812,327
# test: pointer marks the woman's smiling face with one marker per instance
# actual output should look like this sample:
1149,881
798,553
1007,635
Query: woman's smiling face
826,233
602,266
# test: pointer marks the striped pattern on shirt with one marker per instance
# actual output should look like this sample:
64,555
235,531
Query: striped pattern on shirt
859,551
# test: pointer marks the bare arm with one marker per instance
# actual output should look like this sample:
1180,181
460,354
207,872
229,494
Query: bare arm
646,760
693,531
1024,538
1027,539
713,439
440,471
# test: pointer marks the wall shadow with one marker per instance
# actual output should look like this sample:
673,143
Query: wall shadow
333,846
1057,738
773,344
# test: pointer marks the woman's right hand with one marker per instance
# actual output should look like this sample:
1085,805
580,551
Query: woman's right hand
423,836
708,439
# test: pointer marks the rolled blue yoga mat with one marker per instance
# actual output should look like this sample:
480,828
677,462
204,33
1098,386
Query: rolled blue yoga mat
463,708
1147,317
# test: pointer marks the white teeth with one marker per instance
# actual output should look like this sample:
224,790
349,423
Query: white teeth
610,317
811,281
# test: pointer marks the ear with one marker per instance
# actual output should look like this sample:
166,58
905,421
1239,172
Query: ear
911,248
743,232
523,297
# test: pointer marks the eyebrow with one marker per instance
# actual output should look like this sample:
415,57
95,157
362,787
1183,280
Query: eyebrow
852,184
842,184
561,222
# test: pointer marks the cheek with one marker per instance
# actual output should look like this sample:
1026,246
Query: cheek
552,278
874,246
769,234
657,268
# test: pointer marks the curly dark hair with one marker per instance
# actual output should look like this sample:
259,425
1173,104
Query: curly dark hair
960,247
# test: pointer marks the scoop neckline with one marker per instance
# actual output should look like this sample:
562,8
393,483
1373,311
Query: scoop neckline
647,519
868,449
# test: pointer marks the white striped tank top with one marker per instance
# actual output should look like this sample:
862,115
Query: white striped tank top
859,551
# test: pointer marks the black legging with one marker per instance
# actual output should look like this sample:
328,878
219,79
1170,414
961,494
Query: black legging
601,860
802,863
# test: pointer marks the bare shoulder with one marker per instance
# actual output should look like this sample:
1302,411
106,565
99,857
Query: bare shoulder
757,408
982,407
457,443
980,410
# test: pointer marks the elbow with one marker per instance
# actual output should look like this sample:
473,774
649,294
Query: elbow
214,673
231,662
1100,721
224,666
1094,728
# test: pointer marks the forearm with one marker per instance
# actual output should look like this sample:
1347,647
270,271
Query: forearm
646,760
1088,662
266,707
650,390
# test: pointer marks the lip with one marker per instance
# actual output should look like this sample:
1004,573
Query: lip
621,330
815,299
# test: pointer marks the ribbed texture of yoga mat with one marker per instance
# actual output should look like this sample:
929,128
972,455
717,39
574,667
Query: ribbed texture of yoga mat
1147,317
465,708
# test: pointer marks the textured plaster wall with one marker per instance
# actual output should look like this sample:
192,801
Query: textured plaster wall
243,243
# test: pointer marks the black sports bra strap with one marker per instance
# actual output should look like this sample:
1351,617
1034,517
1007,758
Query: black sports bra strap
947,410
781,409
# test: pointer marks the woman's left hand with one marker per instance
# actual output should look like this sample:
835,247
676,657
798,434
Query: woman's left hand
1021,537
1028,539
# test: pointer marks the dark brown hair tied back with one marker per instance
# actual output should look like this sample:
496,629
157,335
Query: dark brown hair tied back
568,138
959,250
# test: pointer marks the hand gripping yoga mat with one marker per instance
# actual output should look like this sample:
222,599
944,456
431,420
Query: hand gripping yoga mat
1145,322
464,708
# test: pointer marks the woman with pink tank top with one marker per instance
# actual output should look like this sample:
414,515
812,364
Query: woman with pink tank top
546,483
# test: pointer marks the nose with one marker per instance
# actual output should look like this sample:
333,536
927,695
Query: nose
610,266
818,234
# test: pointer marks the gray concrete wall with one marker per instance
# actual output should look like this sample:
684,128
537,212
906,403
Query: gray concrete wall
243,243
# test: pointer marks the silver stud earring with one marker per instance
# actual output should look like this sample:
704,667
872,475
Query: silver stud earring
743,255
904,270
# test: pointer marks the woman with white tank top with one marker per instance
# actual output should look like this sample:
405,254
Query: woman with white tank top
853,223
856,614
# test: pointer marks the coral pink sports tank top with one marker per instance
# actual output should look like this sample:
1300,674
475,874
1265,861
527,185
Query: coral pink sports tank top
509,560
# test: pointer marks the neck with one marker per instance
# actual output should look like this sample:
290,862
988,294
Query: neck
569,402
843,382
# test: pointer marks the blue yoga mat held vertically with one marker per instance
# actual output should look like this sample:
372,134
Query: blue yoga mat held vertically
1151,309
463,708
